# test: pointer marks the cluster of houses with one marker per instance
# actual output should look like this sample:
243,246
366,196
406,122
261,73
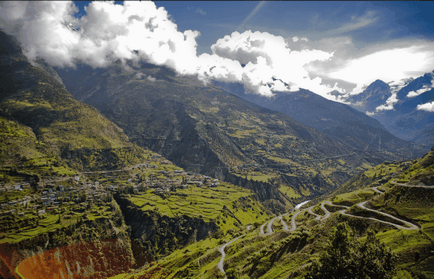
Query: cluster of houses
168,183
50,196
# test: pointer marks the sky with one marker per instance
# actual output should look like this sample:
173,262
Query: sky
268,46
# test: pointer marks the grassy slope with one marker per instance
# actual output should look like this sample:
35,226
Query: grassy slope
287,254
43,127
224,204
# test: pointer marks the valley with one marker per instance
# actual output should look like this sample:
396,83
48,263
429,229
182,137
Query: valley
271,250
107,174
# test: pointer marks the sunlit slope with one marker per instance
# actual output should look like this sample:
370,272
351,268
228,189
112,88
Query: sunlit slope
202,128
417,171
45,130
400,214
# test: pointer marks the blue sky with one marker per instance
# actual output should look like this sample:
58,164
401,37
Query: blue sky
268,46
365,22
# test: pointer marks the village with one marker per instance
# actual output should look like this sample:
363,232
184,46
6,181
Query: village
23,201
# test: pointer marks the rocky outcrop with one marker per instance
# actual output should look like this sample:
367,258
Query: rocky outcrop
160,235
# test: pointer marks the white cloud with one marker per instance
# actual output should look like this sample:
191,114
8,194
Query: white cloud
197,10
140,31
390,102
424,89
108,32
140,75
270,63
263,62
356,23
427,107
387,65
152,79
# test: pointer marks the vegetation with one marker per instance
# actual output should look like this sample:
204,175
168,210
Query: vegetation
345,257
44,131
207,130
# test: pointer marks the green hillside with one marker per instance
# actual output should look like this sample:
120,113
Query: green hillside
384,232
205,129
45,131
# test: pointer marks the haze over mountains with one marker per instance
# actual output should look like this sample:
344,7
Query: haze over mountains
407,111
337,120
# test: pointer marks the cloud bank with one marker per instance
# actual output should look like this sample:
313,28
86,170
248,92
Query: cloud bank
141,31
263,62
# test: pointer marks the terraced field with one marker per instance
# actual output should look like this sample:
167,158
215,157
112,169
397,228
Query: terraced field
278,250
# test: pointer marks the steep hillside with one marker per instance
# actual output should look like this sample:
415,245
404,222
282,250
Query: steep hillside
45,131
337,120
205,129
417,171
372,232
102,223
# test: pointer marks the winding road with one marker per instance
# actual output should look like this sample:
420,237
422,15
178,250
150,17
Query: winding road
375,189
410,226
413,186
221,249
317,216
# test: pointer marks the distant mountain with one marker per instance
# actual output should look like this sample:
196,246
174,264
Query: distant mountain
405,121
337,120
205,129
44,130
373,96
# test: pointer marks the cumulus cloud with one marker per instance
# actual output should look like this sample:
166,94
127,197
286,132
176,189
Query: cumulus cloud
269,64
135,30
424,89
263,62
141,31
390,102
427,107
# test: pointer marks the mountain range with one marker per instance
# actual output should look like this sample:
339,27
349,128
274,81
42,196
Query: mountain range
208,130
334,119
85,191
406,120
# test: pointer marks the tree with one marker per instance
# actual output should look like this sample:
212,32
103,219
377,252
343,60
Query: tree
345,257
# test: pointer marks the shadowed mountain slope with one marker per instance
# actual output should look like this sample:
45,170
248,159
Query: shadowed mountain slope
205,129
337,120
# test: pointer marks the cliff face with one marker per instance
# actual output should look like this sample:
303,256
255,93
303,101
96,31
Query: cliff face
160,235
93,259
97,250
